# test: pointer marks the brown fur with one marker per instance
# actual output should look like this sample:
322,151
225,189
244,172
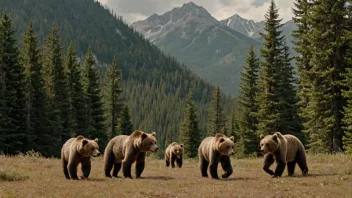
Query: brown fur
284,149
215,149
174,153
123,151
75,151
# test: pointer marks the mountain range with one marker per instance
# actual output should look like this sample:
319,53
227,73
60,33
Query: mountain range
215,50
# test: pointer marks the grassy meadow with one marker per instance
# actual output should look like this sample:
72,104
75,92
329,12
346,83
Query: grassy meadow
33,176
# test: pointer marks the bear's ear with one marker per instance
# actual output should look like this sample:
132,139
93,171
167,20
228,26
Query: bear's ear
154,134
181,145
232,138
84,142
96,140
144,135
221,140
274,137
262,136
79,137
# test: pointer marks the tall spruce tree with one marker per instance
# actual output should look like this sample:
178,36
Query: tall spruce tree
12,95
248,106
271,85
347,120
113,98
76,94
189,133
125,126
95,111
216,118
328,39
289,115
59,86
302,12
39,135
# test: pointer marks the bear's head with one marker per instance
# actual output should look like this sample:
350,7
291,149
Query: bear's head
87,148
177,149
269,143
223,144
145,141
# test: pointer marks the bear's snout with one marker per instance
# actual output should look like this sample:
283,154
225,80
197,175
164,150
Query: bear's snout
98,154
156,149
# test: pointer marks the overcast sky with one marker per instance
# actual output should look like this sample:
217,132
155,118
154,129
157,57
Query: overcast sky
134,10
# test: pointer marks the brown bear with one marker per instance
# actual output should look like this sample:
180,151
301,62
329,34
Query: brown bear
174,153
75,151
124,150
215,149
284,149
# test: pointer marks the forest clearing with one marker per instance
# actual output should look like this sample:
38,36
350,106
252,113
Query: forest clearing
329,176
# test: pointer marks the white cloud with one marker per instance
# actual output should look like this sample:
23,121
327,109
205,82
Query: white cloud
133,10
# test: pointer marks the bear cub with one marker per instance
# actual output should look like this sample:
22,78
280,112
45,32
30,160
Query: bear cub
215,149
123,151
174,153
284,149
76,151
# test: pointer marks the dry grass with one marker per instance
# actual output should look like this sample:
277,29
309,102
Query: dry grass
330,176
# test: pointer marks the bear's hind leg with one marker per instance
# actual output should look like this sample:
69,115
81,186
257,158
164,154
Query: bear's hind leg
291,168
86,167
302,162
226,166
64,167
203,163
140,163
117,167
268,161
108,163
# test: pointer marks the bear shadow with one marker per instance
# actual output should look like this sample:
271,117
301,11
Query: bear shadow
318,175
157,178
93,179
239,179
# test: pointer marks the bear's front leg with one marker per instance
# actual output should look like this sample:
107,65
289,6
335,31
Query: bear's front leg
140,163
268,161
173,158
226,166
86,167
179,161
126,168
281,164
72,170
213,165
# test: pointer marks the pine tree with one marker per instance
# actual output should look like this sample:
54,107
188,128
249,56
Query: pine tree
289,115
270,106
347,120
248,106
302,46
76,94
39,135
113,97
216,118
189,133
95,112
125,126
328,39
12,94
58,86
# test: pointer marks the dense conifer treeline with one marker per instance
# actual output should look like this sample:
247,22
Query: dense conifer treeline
69,90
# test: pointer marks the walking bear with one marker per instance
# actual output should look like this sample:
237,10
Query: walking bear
215,149
124,150
174,153
75,151
284,149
